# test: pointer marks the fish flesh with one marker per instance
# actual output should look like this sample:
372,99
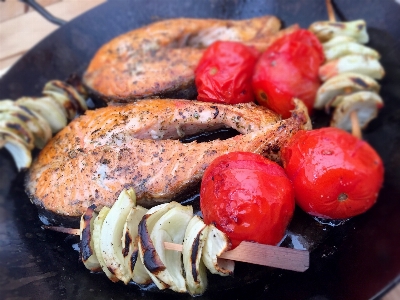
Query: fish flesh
137,145
158,60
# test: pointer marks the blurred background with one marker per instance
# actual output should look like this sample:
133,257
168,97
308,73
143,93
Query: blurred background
21,27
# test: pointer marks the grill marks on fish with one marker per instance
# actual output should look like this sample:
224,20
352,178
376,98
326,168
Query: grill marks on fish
137,145
158,60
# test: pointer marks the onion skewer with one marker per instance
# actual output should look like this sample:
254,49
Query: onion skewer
349,74
265,255
355,124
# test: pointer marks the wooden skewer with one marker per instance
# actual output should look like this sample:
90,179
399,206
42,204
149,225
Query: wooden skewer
265,255
355,123
254,253
331,11
63,229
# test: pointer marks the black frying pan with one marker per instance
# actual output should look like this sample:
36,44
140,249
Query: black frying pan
357,260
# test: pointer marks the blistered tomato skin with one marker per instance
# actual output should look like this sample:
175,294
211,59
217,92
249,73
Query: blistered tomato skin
248,197
335,175
289,69
224,73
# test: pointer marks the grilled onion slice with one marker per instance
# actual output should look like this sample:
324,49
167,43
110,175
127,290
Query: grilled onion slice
49,110
365,103
193,243
344,49
147,252
217,243
345,83
111,235
326,30
356,63
97,226
21,154
17,128
171,228
337,40
67,96
36,124
87,251
130,249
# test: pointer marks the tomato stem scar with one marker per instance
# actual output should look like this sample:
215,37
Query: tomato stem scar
342,197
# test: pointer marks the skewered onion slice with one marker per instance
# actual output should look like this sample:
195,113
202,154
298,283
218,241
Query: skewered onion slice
365,103
36,124
130,242
48,109
147,252
111,234
21,154
350,48
326,30
217,243
67,96
336,41
356,63
87,251
343,84
98,224
195,270
171,228
18,129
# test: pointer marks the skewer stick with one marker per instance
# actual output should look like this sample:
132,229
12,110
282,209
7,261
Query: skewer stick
71,231
331,11
355,123
254,253
265,255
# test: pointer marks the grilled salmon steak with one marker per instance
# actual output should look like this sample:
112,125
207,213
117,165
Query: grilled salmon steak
158,60
137,145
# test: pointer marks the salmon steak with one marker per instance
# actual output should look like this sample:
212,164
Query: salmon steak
137,145
158,60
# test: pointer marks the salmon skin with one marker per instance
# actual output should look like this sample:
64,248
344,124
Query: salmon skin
158,60
136,145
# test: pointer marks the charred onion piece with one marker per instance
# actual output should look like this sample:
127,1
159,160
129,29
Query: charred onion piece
326,30
356,63
87,251
171,227
195,270
98,224
21,154
343,84
147,251
130,249
111,234
217,243
365,104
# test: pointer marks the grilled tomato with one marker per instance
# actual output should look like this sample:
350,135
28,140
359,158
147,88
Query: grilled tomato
224,73
334,174
289,69
248,197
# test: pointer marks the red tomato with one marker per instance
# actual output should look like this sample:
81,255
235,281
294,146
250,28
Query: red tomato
248,197
288,69
224,73
335,175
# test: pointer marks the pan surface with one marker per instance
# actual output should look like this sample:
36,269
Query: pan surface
356,260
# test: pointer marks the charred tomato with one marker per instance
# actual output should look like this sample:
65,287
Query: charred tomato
248,197
289,69
224,73
334,174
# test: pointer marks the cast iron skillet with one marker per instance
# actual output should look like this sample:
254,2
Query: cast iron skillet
356,260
